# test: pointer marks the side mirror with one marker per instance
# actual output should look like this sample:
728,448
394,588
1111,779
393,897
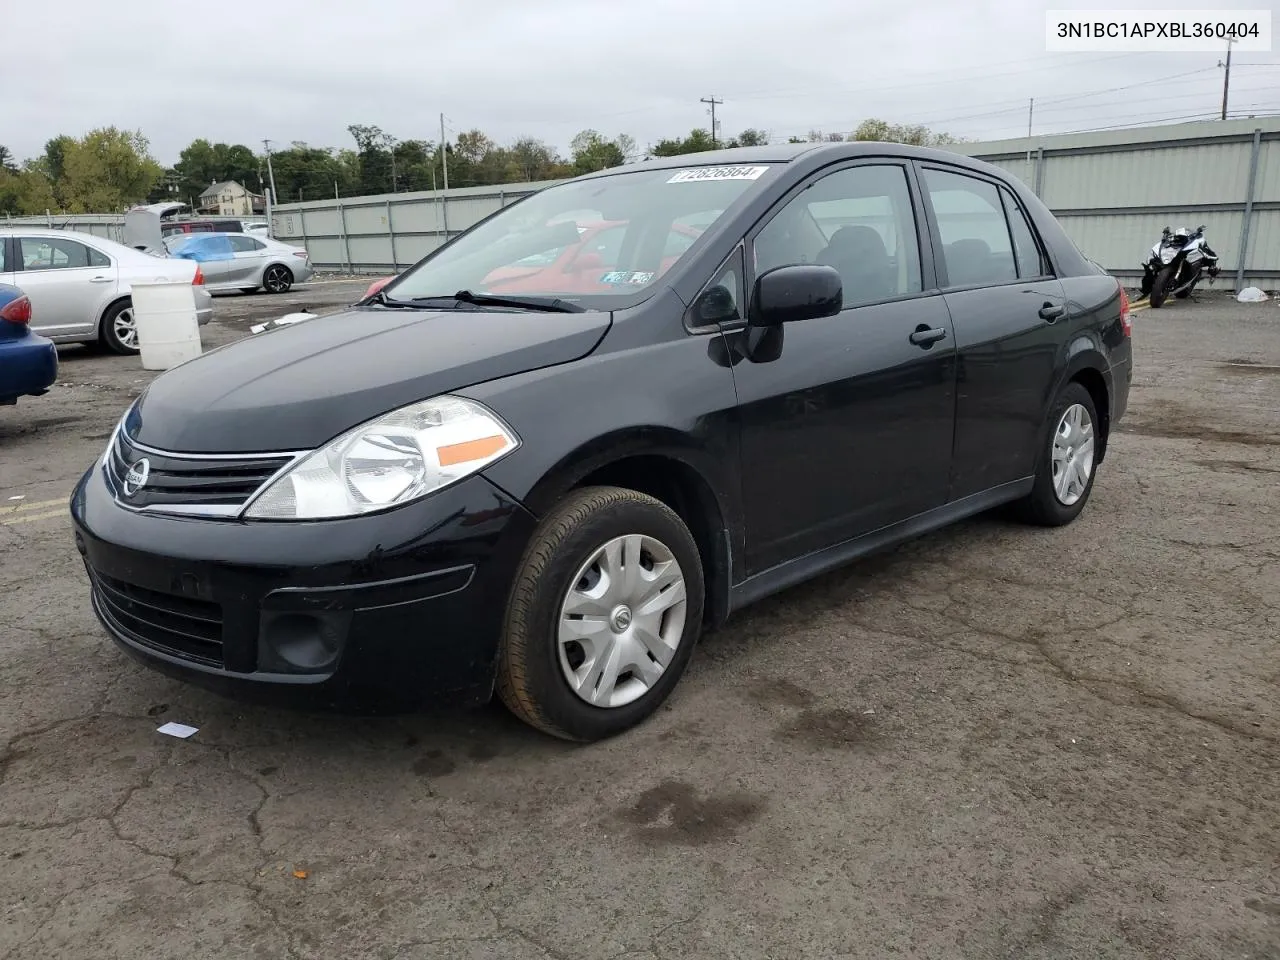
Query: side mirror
799,292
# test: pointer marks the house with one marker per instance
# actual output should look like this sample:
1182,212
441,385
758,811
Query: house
230,199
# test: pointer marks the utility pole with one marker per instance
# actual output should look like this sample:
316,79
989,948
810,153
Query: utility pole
1226,79
271,175
1031,112
390,143
444,157
714,102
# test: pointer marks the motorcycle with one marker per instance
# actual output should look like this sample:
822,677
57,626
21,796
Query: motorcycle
1177,264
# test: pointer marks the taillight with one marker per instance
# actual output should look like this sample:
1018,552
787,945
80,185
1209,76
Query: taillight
300,253
1126,322
198,279
16,311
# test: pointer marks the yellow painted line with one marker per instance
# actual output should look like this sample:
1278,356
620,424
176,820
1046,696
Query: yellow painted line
8,507
15,519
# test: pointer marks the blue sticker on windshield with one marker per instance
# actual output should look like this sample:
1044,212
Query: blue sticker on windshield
638,278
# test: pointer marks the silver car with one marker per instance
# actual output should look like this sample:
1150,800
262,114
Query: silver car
80,284
240,261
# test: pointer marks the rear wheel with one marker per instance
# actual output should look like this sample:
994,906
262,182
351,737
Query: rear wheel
603,615
1183,294
1065,467
119,330
1160,288
277,279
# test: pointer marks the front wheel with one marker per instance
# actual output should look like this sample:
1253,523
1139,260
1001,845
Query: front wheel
1160,288
277,279
119,330
1065,466
603,615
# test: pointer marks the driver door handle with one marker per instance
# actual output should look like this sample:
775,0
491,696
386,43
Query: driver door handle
926,337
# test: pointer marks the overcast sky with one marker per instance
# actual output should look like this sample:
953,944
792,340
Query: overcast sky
305,69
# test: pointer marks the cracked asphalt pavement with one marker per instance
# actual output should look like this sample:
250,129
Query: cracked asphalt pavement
993,742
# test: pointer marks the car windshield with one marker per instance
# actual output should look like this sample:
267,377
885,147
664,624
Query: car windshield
597,242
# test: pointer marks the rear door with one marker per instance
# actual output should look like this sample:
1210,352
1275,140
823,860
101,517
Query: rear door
849,427
67,281
249,256
1004,300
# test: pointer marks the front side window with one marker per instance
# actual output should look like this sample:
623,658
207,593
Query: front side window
600,242
859,220
52,253
976,249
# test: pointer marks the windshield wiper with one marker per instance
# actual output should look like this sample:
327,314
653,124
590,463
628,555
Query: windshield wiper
547,304
383,300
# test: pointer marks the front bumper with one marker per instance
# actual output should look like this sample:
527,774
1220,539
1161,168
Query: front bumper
393,611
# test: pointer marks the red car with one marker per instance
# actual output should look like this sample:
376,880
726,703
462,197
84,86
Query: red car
583,267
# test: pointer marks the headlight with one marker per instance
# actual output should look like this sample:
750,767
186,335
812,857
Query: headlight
395,459
1167,254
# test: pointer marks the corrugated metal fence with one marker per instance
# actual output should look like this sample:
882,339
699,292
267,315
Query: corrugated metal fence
1113,192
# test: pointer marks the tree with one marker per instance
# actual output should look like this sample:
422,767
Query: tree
25,193
882,130
697,141
374,149
203,163
105,171
590,151
751,138
6,160
534,160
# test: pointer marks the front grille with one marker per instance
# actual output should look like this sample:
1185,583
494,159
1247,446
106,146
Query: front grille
180,626
185,483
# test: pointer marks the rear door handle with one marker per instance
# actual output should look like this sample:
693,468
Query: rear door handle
926,337
1050,312
100,280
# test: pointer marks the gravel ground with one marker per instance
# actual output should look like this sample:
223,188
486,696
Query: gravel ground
992,742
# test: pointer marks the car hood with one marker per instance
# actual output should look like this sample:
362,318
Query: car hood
299,386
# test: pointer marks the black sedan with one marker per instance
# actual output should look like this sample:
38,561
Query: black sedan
511,469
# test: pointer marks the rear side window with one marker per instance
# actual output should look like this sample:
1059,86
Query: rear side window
1031,261
52,253
976,248
245,244
97,258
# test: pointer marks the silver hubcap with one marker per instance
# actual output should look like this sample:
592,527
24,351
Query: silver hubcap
1072,454
622,621
125,329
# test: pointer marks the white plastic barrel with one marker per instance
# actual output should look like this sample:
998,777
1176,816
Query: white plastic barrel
168,331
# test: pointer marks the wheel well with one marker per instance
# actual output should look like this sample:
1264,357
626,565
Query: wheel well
685,491
106,311
1092,380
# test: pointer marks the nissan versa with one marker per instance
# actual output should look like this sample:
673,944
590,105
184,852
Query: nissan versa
770,361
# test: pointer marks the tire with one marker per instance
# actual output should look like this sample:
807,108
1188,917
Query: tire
118,332
539,655
1183,294
1045,506
1159,289
277,278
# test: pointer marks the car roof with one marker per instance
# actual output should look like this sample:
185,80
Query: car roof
818,153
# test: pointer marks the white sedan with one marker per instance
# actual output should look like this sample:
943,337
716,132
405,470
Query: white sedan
80,284
238,261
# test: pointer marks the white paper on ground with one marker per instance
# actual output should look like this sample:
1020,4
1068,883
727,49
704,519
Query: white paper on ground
179,730
1251,295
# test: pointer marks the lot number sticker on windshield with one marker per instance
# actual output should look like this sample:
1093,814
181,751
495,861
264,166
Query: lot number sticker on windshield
719,173
627,276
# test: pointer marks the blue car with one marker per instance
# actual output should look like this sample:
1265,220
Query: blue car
28,363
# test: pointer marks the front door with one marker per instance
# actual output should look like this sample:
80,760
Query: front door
849,428
67,282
